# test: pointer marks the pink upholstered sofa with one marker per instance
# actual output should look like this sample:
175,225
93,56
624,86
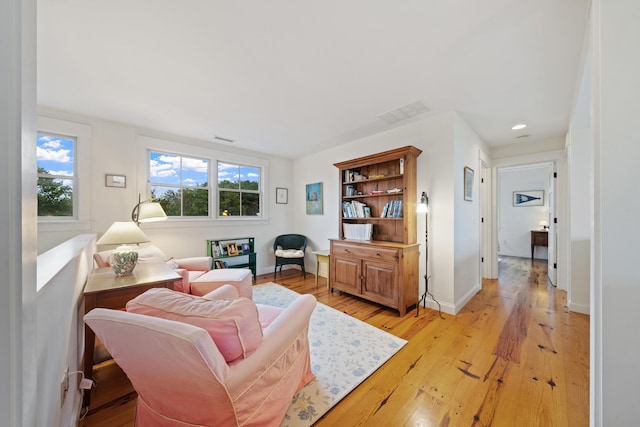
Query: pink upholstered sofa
182,377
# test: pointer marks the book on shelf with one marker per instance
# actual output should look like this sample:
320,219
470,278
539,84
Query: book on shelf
393,209
355,209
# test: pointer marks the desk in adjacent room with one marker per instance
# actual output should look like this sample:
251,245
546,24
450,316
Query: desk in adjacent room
106,290
539,238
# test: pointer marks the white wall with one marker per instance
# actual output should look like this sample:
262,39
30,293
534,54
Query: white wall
116,149
467,251
615,320
439,166
516,222
581,201
62,273
18,381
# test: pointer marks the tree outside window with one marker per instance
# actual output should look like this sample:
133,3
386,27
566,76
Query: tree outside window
56,175
180,184
238,190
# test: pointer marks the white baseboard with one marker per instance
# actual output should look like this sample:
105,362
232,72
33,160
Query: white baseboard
579,308
466,298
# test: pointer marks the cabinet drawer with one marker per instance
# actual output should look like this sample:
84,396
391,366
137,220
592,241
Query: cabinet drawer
370,253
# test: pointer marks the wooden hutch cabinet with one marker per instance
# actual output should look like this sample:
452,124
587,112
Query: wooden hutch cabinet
378,258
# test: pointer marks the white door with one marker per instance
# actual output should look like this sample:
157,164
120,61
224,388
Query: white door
553,229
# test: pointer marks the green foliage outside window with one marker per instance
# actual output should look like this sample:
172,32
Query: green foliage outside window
55,198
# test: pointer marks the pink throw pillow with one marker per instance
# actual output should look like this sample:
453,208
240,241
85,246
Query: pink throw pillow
232,323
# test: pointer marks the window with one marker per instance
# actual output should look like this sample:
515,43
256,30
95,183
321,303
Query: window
180,184
57,176
238,190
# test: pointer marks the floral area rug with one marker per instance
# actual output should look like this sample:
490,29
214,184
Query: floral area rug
344,352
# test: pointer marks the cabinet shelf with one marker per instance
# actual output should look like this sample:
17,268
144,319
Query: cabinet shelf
364,196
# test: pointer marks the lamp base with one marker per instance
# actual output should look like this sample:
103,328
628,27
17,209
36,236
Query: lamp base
124,259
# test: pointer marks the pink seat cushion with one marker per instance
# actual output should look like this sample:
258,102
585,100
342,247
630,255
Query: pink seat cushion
267,314
241,278
232,323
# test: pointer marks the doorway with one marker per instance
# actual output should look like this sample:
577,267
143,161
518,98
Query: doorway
524,212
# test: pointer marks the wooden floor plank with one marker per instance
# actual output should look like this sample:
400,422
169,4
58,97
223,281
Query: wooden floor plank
514,355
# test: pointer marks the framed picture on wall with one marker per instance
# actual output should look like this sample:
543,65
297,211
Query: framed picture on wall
528,198
119,181
314,199
468,184
282,195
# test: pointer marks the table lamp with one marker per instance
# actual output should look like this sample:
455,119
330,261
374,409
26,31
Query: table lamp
124,258
544,224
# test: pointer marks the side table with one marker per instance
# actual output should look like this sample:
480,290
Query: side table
538,238
322,257
106,290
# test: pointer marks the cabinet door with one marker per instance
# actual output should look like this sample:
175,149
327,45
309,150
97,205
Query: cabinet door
347,274
381,282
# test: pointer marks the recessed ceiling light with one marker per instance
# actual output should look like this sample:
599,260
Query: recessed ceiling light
519,126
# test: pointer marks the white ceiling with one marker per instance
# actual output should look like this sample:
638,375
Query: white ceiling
291,77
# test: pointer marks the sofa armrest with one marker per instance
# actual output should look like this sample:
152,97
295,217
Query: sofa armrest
182,285
201,263
223,292
278,337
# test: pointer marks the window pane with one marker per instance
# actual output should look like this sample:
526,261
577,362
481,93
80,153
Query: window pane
169,198
164,168
250,178
55,197
195,172
55,160
186,184
196,202
228,176
250,204
229,203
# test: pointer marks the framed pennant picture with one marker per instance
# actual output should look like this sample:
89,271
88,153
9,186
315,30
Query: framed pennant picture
528,198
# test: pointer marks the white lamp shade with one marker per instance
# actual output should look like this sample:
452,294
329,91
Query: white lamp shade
121,233
423,206
543,223
151,212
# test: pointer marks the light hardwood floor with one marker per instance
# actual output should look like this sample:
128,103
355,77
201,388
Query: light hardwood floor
514,356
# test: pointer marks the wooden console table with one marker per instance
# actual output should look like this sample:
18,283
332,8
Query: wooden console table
106,290
539,238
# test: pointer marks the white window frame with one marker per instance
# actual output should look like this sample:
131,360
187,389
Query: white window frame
260,192
146,144
180,186
82,134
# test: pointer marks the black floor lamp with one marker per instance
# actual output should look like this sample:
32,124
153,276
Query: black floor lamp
423,207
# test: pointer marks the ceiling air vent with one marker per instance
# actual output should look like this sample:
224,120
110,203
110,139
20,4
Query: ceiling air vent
403,113
222,139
